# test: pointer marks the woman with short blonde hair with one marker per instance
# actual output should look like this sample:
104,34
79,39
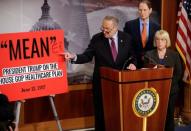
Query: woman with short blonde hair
162,34
166,57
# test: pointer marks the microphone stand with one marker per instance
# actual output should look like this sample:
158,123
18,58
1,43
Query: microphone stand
126,61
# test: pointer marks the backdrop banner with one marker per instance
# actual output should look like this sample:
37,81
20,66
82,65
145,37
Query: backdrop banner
31,65
80,20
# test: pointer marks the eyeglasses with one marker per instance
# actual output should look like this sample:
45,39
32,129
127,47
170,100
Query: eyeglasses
107,29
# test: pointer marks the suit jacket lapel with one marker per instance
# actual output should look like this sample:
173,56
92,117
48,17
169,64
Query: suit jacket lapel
166,57
138,32
120,46
156,56
150,30
107,50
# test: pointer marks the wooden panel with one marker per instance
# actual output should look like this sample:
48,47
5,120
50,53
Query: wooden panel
76,103
67,124
133,76
111,104
169,16
156,121
129,118
137,75
187,104
118,97
109,73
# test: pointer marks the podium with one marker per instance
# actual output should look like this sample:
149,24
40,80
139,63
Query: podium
119,89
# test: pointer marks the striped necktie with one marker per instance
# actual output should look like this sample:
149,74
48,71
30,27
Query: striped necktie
144,35
113,49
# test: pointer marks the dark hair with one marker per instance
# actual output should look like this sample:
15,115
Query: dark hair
6,113
3,126
147,2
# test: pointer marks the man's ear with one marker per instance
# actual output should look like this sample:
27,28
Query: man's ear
150,10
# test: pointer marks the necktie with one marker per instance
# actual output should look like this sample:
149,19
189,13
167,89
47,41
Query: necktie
144,34
113,49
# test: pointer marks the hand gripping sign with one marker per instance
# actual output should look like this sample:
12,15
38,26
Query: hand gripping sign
31,66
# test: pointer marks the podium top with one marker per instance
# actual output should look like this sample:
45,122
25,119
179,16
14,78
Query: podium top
136,75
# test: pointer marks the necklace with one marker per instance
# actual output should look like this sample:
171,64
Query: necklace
161,54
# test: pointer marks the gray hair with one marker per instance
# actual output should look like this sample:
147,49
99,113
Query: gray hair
112,18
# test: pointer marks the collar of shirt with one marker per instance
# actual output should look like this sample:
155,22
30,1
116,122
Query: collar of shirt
141,25
115,38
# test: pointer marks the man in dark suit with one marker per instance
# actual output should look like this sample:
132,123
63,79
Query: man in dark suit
6,114
110,48
135,29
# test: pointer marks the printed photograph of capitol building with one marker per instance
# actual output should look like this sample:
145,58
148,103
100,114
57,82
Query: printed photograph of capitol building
80,20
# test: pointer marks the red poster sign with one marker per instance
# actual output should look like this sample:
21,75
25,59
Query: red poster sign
31,65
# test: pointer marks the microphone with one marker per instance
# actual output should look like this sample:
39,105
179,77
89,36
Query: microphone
127,61
153,63
151,60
